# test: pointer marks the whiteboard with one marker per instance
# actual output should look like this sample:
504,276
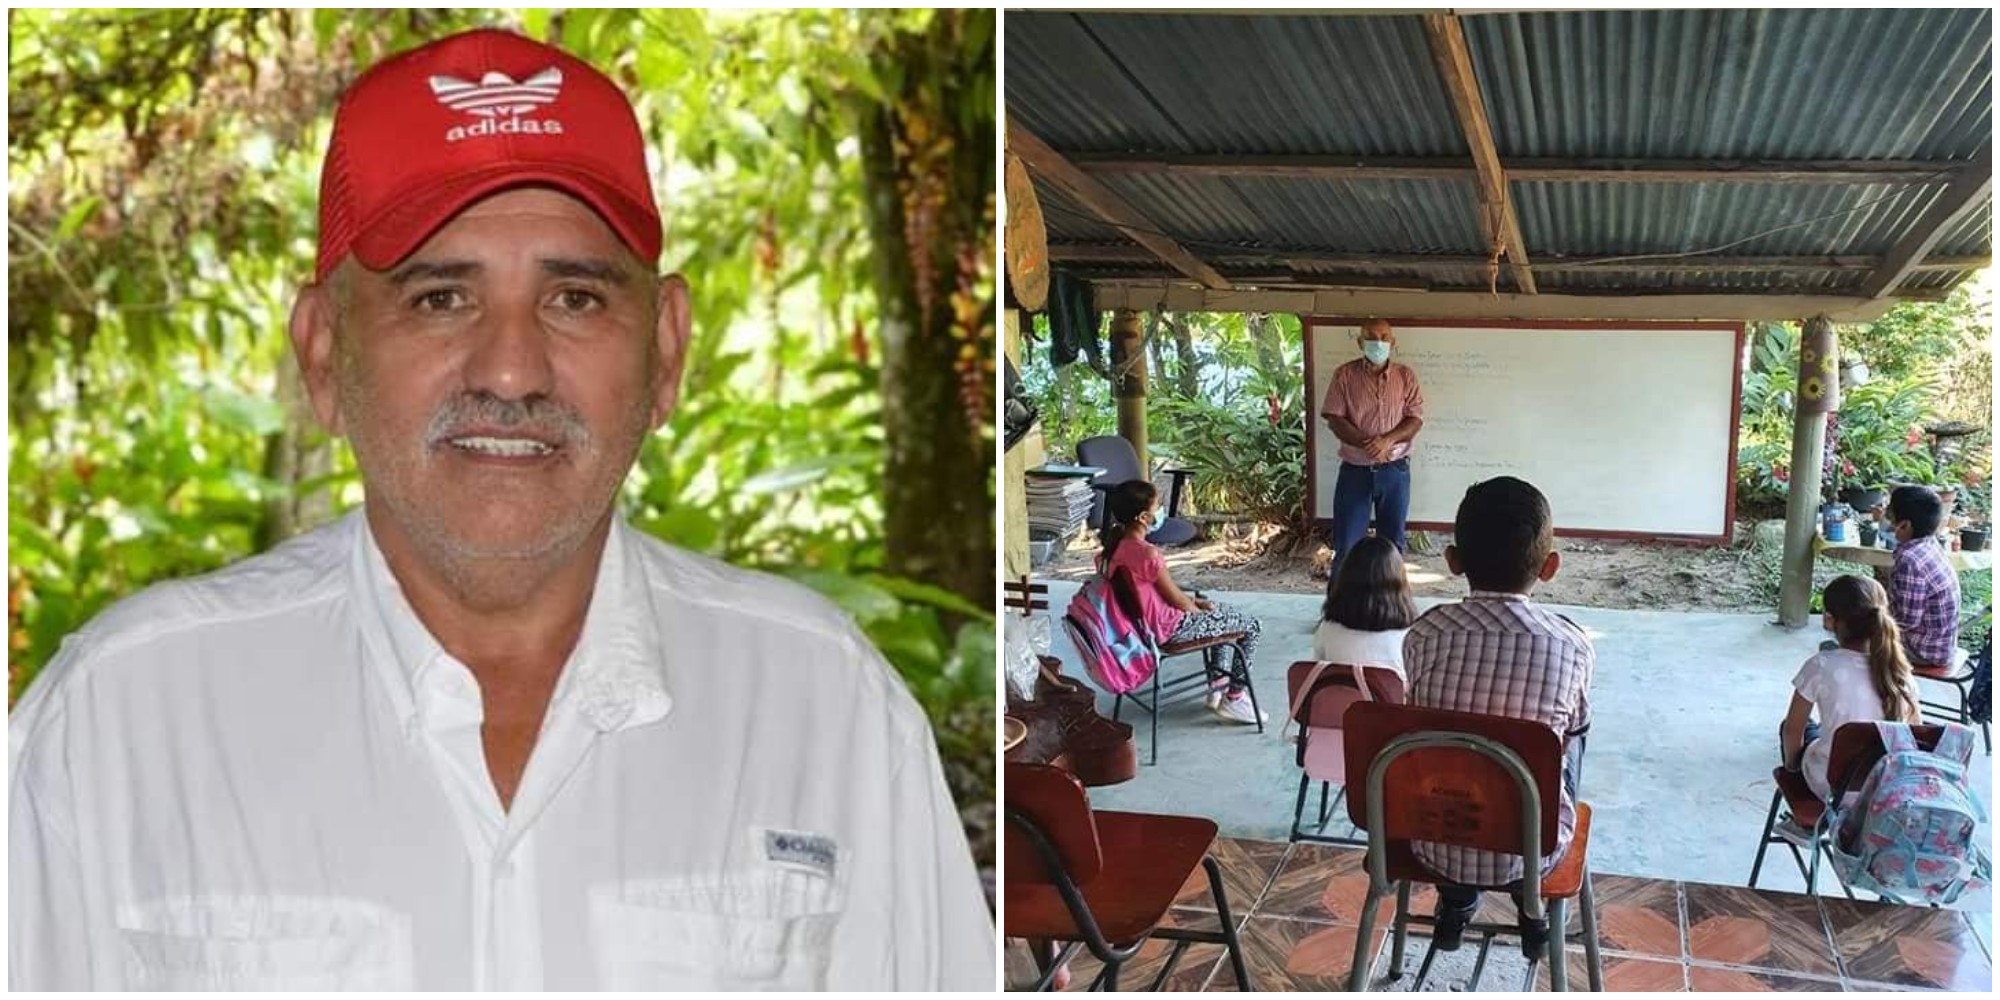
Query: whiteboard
1628,429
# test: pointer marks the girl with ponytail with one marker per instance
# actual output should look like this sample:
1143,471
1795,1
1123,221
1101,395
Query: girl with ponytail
1148,592
1860,677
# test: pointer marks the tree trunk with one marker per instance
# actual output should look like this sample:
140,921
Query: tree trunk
1190,365
929,220
1154,349
1270,353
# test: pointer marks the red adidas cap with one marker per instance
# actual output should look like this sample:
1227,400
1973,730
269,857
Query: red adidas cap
425,134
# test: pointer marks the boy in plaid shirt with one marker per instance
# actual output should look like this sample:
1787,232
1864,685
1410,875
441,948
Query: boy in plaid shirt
1923,590
1498,653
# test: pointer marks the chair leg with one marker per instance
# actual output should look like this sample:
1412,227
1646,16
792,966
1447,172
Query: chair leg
1400,930
1117,706
1812,874
1109,980
1357,976
1243,668
1323,786
1559,955
1299,809
1234,947
1764,844
1156,715
1593,962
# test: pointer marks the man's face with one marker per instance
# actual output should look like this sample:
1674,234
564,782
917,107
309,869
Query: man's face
1377,330
496,384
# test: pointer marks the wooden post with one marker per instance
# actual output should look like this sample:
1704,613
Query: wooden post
1015,466
1819,395
1128,368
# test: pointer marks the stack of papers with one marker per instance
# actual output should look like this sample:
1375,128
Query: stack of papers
1057,505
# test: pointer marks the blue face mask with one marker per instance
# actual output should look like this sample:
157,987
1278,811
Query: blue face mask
1376,351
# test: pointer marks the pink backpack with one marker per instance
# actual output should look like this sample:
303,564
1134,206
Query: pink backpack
1118,652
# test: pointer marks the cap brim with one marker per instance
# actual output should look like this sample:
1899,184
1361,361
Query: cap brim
389,238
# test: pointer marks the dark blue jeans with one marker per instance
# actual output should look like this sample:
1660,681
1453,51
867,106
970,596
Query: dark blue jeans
1361,492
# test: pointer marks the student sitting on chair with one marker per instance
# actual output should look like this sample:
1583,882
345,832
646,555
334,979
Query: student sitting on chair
1498,653
1130,510
1863,678
1368,609
1923,590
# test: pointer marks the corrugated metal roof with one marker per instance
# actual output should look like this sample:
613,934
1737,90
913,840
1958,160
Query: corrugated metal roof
1687,84
1724,84
1604,219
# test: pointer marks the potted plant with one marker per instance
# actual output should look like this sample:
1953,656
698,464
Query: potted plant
1978,530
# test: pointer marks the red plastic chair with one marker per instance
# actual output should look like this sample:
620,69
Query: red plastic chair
1478,781
1319,694
1102,880
1856,749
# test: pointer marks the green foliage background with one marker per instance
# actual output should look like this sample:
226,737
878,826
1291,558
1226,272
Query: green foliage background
163,169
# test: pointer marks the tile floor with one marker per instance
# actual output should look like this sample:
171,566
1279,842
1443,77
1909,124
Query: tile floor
1298,908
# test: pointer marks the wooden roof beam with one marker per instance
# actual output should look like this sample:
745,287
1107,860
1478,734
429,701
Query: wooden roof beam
1084,253
1973,186
1461,85
1106,204
1583,170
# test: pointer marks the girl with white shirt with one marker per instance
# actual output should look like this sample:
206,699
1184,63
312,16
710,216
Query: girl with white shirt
1368,608
1864,678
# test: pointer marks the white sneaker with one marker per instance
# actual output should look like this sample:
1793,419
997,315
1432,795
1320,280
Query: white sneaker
1792,832
1216,688
1239,709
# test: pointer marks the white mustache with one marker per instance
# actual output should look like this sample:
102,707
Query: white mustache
540,416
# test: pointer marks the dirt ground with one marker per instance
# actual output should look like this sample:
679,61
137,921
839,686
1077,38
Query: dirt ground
1654,576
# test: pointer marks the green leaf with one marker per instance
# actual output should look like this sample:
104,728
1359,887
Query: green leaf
912,590
686,526
73,220
863,600
241,412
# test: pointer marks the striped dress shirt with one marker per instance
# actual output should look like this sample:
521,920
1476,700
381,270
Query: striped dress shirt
1499,654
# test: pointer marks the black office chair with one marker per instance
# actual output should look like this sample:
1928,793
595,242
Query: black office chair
1120,463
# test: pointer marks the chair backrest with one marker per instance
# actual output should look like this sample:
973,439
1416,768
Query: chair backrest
1120,463
1025,596
1445,791
1857,746
1051,802
1334,690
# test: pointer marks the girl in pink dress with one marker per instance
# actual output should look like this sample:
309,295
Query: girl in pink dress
1131,510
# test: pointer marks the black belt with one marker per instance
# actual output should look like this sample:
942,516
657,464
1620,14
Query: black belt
1402,464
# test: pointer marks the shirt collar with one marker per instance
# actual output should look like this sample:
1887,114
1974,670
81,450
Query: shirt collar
1497,595
614,678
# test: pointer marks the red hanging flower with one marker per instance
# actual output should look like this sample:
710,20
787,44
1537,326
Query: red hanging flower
1846,467
1272,402
1780,473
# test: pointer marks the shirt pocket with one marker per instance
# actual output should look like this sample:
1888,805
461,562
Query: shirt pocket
265,943
757,930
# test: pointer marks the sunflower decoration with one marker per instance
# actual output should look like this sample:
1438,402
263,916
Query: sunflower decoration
1808,355
1812,388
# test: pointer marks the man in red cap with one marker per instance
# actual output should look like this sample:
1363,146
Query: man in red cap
482,733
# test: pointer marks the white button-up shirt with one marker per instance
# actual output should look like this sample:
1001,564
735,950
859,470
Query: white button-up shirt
272,777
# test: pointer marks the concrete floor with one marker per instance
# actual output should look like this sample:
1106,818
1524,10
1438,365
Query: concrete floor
1684,734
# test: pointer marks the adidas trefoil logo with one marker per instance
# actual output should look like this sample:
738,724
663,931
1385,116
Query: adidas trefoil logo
500,103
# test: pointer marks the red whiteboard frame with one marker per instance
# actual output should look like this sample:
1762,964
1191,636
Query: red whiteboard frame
1306,323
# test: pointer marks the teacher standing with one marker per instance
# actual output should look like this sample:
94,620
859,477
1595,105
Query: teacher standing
1375,407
